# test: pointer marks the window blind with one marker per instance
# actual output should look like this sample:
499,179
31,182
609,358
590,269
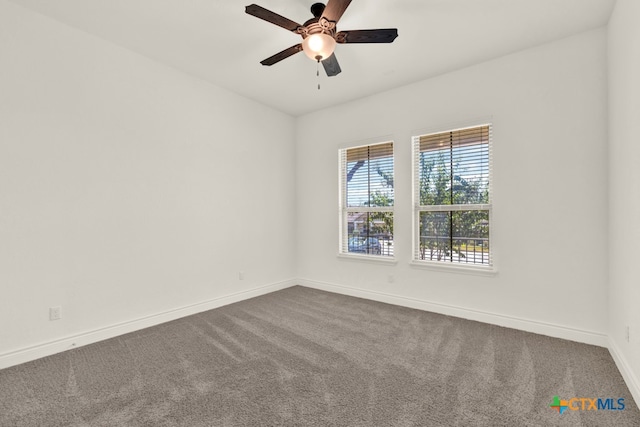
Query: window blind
367,199
369,175
452,178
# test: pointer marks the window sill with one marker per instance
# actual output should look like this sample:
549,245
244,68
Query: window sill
374,259
452,268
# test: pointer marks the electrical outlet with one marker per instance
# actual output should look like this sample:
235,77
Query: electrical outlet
55,313
627,333
391,278
240,275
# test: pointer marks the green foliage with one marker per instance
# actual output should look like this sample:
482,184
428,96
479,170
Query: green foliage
438,186
434,180
381,199
386,176
376,223
442,182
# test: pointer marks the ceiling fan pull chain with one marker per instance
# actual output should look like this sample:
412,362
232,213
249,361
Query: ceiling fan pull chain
318,70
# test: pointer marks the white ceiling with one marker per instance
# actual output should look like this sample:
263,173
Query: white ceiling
215,40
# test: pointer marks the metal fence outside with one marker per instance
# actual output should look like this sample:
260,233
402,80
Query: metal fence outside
463,250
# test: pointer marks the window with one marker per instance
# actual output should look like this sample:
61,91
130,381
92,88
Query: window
366,200
452,216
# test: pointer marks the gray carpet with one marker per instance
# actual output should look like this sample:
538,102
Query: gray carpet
303,357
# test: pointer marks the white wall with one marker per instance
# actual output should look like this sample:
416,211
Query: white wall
624,188
128,189
548,108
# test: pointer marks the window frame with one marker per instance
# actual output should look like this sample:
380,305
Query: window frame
344,209
450,266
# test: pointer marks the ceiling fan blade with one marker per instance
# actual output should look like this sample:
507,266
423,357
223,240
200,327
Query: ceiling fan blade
334,10
331,66
282,55
274,18
386,35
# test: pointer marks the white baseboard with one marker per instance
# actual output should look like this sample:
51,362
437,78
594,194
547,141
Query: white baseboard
56,346
52,347
49,348
537,327
627,374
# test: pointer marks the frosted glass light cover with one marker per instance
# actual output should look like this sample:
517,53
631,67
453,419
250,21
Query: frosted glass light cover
319,44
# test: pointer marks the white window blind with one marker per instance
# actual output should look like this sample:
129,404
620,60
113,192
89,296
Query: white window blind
366,200
452,180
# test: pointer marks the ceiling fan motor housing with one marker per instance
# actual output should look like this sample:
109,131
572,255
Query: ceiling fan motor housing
317,9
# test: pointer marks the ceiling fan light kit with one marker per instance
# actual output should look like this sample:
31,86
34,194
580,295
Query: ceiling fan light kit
319,34
318,46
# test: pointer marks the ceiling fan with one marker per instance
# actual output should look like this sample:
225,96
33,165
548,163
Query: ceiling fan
319,34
